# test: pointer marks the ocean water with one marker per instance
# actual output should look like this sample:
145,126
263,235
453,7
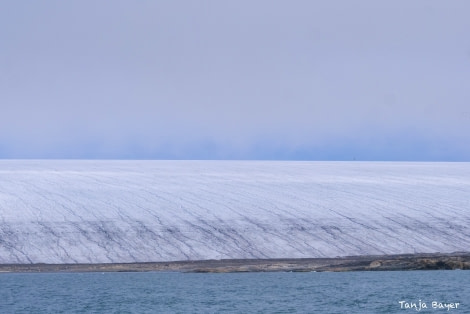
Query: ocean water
282,292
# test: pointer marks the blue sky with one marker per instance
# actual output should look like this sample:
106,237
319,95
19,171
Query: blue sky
308,80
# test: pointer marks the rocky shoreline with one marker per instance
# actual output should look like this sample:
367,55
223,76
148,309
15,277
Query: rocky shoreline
422,261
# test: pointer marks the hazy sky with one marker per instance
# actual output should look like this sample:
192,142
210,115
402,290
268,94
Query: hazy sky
320,80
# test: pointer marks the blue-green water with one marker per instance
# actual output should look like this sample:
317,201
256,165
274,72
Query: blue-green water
352,292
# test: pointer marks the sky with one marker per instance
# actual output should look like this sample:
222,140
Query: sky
282,80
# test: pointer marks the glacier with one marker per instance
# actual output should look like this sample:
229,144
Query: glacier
103,211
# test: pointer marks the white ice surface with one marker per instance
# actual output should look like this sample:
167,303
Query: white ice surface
60,211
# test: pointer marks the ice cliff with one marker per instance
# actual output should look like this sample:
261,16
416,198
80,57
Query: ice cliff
64,211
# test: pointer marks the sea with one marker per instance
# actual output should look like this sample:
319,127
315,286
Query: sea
446,291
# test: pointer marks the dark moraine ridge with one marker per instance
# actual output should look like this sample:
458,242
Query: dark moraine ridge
434,261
